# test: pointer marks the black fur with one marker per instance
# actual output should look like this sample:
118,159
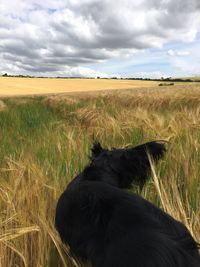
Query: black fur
111,227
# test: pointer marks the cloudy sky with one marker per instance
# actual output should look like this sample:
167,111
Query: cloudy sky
125,38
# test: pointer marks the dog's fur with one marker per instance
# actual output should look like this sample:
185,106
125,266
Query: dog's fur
111,227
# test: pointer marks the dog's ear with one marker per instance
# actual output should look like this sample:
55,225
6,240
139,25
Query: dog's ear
134,166
96,149
155,149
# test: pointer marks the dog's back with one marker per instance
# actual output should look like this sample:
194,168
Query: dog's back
109,226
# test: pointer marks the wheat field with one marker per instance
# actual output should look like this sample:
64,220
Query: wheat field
45,141
12,86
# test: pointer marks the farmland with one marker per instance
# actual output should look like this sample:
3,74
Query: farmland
11,86
45,141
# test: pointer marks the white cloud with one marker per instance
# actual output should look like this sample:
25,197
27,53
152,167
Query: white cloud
149,74
83,72
172,52
183,53
187,64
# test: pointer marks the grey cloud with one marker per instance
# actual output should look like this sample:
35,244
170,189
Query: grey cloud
174,6
21,50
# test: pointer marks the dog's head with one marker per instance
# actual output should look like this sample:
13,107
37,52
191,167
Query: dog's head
124,166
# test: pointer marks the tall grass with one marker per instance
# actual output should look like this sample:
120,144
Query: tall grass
44,142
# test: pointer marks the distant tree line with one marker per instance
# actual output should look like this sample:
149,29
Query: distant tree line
56,77
165,79
20,76
169,79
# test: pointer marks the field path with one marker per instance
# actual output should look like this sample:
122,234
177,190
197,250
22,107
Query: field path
38,86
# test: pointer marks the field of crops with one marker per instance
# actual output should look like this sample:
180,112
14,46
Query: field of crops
46,140
11,86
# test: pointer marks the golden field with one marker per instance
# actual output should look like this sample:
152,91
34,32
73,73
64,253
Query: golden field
45,141
10,86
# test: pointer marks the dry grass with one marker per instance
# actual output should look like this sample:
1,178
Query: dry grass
2,106
46,141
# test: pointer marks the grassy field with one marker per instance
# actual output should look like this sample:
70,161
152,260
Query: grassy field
45,141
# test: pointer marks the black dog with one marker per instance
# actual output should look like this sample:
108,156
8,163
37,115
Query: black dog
111,227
